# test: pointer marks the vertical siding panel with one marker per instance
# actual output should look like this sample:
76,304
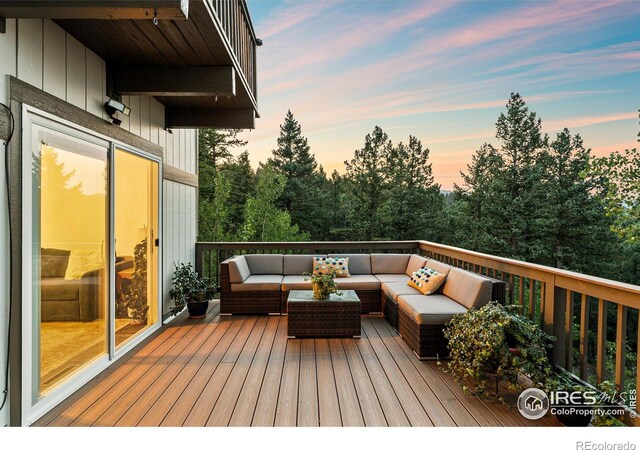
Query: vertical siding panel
162,134
55,60
95,82
30,51
125,119
76,75
144,118
7,67
168,153
194,151
154,115
134,119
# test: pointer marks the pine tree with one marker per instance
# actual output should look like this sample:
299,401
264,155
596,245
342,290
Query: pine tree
578,225
215,145
293,159
368,184
414,206
243,179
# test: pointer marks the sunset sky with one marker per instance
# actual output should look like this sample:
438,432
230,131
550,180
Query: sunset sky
443,71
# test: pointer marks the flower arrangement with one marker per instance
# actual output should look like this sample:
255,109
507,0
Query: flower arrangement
323,284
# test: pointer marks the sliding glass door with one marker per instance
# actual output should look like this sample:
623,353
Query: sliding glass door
70,255
90,256
136,231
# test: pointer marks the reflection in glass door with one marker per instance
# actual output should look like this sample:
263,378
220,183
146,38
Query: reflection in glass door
136,232
69,246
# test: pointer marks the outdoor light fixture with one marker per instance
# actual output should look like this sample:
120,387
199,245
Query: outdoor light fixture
258,42
113,106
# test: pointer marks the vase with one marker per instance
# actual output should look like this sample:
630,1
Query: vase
318,292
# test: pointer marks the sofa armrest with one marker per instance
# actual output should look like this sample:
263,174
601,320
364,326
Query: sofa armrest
89,295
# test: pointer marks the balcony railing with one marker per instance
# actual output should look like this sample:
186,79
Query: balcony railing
234,20
548,296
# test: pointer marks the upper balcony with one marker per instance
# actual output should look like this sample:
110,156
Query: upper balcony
196,57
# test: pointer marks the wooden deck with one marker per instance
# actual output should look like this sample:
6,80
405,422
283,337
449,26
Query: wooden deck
243,371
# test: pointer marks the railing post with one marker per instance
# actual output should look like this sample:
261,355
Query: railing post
199,258
554,319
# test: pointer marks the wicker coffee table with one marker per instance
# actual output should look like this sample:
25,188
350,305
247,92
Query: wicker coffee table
337,316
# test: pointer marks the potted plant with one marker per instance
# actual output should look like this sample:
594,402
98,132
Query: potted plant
135,299
323,285
190,289
494,344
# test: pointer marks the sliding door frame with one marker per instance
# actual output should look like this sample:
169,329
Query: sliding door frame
32,411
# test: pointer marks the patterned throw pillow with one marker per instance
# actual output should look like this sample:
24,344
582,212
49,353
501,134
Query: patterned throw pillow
323,265
427,281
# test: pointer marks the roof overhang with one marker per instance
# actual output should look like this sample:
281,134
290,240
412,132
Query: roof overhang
196,57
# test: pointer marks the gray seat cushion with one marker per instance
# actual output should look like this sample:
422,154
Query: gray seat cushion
394,290
430,309
358,264
298,264
295,283
238,269
392,277
389,263
415,262
359,282
258,283
265,264
467,288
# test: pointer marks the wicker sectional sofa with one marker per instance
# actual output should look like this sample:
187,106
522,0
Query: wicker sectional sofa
260,284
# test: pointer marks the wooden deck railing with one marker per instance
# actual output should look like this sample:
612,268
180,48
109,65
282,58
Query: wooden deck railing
234,20
562,302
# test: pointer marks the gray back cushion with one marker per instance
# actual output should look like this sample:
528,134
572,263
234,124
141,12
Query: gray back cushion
54,262
298,264
467,288
265,264
359,264
415,262
238,269
389,263
438,266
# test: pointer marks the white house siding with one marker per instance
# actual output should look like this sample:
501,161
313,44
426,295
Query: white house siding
179,230
42,54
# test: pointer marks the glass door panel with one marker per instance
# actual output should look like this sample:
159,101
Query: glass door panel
70,248
136,231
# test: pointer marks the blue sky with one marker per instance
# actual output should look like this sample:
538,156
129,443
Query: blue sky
443,71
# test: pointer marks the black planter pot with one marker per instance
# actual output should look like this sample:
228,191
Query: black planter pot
197,310
574,420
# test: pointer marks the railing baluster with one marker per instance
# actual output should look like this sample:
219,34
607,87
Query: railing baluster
511,290
621,346
584,334
601,350
532,298
568,330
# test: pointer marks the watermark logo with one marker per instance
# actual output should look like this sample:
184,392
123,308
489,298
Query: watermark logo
533,403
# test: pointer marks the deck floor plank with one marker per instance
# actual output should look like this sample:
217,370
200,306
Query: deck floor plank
265,412
181,409
432,389
308,414
205,402
167,399
122,392
347,396
328,406
248,397
241,371
223,410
